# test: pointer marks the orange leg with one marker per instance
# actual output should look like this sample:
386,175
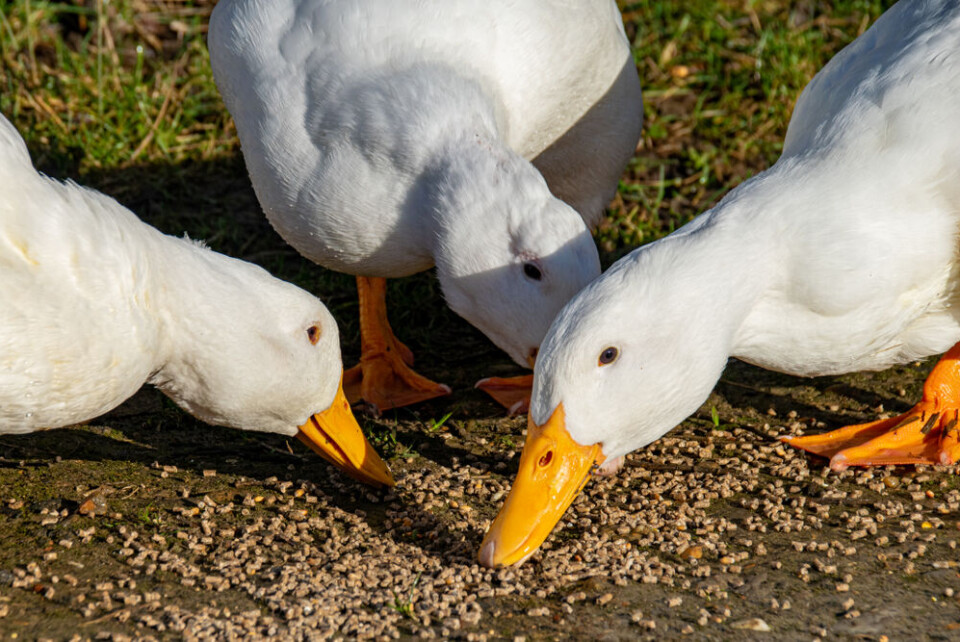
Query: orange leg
383,377
928,434
513,393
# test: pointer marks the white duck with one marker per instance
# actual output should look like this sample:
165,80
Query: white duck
841,257
386,137
95,303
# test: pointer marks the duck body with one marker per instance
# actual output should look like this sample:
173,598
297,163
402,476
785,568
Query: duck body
864,205
385,138
95,303
65,358
78,328
840,257
843,256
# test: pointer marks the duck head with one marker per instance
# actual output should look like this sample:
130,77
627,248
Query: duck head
509,253
249,351
624,362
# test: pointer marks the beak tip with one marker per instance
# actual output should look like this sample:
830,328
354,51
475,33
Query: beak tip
485,557
375,472
389,482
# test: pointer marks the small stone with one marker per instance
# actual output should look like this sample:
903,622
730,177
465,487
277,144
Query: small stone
93,505
752,624
691,553
604,599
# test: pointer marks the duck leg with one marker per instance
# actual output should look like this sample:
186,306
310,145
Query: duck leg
513,393
928,434
383,378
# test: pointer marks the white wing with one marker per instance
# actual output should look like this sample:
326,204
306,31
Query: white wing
902,60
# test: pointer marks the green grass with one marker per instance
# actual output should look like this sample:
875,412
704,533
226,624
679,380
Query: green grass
104,86
405,605
435,425
119,95
720,80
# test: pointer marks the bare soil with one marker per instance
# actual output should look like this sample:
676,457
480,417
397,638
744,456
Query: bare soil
209,532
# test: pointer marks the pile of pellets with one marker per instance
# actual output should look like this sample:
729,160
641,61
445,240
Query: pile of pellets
689,513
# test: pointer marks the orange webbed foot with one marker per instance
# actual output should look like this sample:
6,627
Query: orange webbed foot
928,434
920,436
386,383
513,393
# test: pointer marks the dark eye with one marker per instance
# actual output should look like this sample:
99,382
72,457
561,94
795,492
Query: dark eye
608,356
532,271
313,333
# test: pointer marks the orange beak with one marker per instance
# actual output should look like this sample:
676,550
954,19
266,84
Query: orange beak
335,435
553,470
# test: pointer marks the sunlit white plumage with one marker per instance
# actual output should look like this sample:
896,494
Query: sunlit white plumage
94,303
384,138
840,257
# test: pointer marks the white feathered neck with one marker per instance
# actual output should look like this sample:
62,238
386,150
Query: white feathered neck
95,303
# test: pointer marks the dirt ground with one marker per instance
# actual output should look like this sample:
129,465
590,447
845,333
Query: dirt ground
715,532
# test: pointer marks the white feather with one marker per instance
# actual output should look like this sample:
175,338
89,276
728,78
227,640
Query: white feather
94,303
385,137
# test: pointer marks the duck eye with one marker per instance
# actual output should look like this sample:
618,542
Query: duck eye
608,356
532,271
313,333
